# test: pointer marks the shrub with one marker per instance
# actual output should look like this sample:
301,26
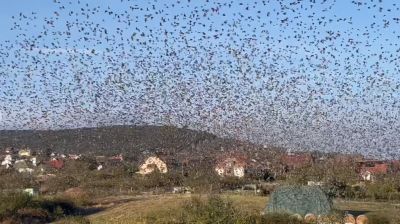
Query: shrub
58,207
32,215
33,212
232,183
77,195
22,208
394,196
10,203
61,183
379,190
377,219
74,220
214,210
279,218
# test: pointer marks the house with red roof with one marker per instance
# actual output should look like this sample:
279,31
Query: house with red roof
296,160
231,165
56,163
370,169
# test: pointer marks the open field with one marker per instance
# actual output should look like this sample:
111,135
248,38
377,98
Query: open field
135,209
389,210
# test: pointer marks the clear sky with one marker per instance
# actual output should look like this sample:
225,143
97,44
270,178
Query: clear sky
300,74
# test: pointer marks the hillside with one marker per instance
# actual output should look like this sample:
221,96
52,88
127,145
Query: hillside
129,140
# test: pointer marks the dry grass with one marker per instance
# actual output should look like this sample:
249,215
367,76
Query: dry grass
131,209
138,208
381,209
248,203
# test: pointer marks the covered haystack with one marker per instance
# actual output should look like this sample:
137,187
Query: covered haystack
299,200
362,219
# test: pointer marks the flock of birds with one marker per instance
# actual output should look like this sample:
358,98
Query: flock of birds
302,74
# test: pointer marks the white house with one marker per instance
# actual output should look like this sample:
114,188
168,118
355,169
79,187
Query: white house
367,176
7,161
22,167
34,161
231,166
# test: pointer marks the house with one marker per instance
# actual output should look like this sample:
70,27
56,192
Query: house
118,158
56,163
10,150
74,156
22,167
30,191
297,160
7,161
315,183
231,165
152,164
33,161
370,169
182,190
24,152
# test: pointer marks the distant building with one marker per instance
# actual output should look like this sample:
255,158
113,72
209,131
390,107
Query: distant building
297,160
74,156
56,163
152,164
119,158
370,169
231,165
24,153
30,191
7,161
34,161
10,150
99,167
315,183
22,167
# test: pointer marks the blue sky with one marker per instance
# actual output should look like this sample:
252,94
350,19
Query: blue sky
303,76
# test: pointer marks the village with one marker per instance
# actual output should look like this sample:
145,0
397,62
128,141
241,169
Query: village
241,165
90,181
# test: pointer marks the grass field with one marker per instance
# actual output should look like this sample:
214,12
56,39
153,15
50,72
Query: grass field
135,209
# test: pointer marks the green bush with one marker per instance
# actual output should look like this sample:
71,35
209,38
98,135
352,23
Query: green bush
380,190
214,210
21,206
10,203
377,219
58,207
395,196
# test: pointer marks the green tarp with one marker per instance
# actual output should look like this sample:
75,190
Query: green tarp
299,200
